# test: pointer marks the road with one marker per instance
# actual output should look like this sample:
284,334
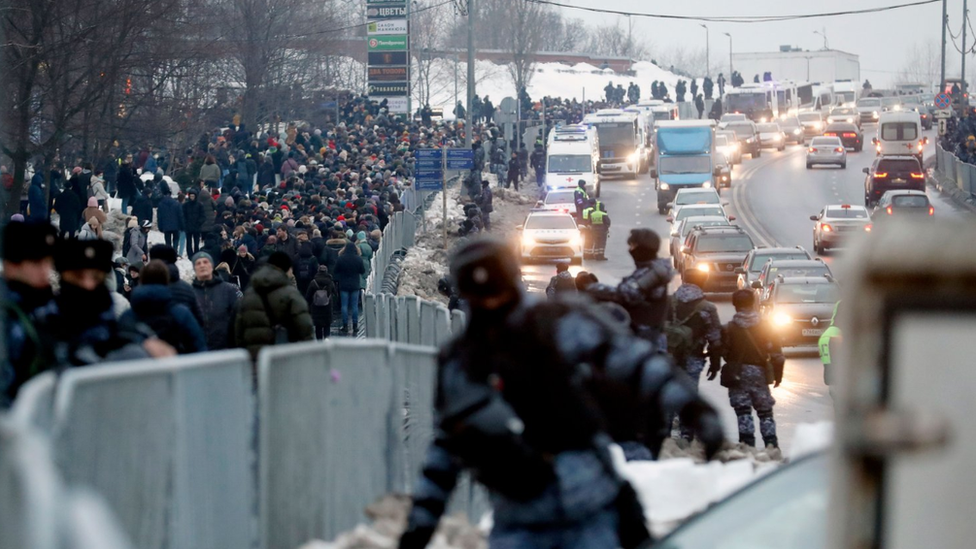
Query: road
772,198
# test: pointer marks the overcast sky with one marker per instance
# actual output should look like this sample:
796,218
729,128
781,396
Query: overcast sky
882,40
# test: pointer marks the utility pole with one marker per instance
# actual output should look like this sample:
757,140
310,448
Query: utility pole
964,100
945,18
730,54
468,126
706,48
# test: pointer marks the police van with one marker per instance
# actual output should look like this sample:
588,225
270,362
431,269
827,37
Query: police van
573,154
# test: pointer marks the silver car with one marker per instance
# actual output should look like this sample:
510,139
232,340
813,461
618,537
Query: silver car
826,150
836,223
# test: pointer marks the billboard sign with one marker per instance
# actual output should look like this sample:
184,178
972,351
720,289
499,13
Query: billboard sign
387,43
386,26
387,89
386,58
388,74
386,10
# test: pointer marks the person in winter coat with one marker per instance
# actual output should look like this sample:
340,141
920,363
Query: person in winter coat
209,210
69,208
562,284
366,252
127,183
193,218
153,305
514,171
485,202
272,311
266,174
181,290
348,275
218,302
538,161
93,211
138,234
37,203
97,191
287,244
319,295
92,230
210,172
700,105
169,216
306,268
242,267
142,206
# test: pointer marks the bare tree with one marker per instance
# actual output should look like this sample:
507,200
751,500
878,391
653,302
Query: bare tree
614,40
428,27
522,29
922,66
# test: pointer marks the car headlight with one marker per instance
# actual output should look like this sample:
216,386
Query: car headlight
528,241
576,241
737,146
818,125
782,319
725,177
633,157
707,185
851,120
777,137
703,267
796,131
874,114
665,186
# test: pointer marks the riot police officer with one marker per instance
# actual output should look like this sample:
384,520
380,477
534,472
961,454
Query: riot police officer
521,402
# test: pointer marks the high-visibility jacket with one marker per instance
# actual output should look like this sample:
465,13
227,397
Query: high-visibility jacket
823,345
594,216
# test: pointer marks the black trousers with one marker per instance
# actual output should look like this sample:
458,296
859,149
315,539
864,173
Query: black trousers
192,244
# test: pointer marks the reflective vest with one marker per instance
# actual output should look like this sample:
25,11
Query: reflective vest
595,216
824,344
580,195
591,212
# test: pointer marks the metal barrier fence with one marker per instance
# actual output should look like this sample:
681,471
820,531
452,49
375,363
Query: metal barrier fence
36,511
342,423
408,319
962,173
168,443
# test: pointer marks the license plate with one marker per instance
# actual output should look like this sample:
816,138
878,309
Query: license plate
898,181
811,332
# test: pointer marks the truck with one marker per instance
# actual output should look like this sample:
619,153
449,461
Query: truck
757,102
623,149
683,158
572,154
846,92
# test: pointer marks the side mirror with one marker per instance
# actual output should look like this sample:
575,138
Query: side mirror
756,285
740,271
866,170
725,203
814,217
670,204
874,140
669,219
520,227
731,218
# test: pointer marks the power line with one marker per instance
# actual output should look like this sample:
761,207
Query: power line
737,18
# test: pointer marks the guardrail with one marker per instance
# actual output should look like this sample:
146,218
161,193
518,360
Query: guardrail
187,457
36,510
962,173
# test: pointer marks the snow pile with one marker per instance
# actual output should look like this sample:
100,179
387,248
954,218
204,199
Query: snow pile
389,519
810,438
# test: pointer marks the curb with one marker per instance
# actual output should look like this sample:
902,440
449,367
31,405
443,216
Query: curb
948,187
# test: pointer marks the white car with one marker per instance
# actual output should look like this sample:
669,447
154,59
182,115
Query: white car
698,209
558,200
731,117
551,235
697,195
826,150
733,150
772,136
838,222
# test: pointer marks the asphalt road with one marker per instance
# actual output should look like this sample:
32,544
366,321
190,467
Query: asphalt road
772,198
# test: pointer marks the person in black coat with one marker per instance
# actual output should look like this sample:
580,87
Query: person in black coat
193,218
170,218
127,183
69,208
320,294
142,207
218,303
182,292
348,275
153,305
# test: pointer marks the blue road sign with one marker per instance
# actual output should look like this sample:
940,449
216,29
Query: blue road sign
427,164
460,159
941,101
428,153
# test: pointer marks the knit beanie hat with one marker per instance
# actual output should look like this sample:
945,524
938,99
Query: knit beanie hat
203,255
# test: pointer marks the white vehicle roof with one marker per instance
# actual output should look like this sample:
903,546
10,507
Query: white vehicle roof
825,139
696,190
544,216
685,124
570,147
609,115
650,102
859,212
899,116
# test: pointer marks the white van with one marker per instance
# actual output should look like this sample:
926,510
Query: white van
573,154
900,132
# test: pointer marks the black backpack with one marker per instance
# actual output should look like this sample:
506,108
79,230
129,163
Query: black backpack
321,297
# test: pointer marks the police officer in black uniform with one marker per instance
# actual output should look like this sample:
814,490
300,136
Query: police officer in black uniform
525,399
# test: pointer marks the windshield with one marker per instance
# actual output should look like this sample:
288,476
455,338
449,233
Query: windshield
662,115
846,96
570,163
742,131
619,133
899,131
842,112
898,166
759,260
807,293
786,510
685,164
722,243
850,213
683,199
550,222
747,102
790,123
910,201
768,128
810,117
890,101
721,141
689,211
775,271
559,198
869,102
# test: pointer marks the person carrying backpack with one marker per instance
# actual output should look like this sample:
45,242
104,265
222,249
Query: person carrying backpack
319,297
693,322
306,268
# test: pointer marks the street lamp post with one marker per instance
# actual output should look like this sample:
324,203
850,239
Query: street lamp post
706,49
824,34
730,53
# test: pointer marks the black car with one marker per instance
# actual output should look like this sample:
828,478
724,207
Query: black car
747,135
849,134
799,309
892,173
716,251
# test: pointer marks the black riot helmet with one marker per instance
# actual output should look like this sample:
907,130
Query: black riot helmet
644,244
485,267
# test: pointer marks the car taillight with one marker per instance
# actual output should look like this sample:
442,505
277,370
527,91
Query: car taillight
826,228
812,150
920,145
839,150
880,175
888,209
867,228
850,135
918,175
830,134
931,210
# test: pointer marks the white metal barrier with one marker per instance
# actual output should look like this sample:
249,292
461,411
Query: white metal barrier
169,444
342,423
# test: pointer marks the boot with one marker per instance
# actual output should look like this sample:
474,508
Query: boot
346,330
355,328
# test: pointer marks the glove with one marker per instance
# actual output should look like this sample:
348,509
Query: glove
714,366
416,538
710,433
